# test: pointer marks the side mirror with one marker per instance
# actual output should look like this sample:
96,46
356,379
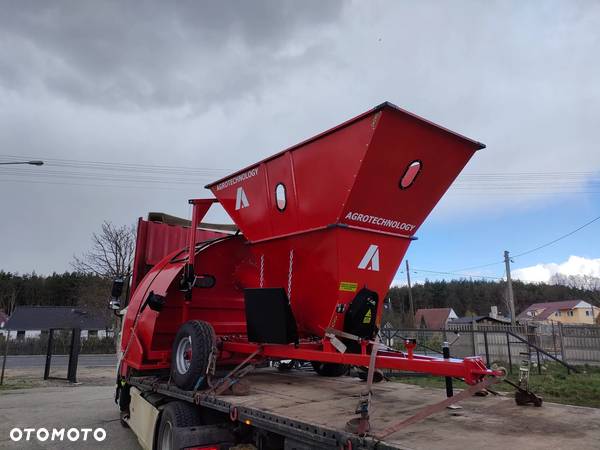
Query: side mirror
114,304
204,281
117,288
115,293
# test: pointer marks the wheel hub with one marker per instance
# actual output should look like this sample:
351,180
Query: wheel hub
183,355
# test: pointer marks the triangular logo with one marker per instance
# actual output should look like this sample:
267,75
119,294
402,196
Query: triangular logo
367,318
371,259
241,201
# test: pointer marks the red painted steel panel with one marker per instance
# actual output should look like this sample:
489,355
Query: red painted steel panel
320,174
377,200
155,240
346,225
280,171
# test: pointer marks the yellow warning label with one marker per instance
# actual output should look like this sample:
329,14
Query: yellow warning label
367,318
348,286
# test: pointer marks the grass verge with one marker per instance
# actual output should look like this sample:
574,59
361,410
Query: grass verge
11,384
554,384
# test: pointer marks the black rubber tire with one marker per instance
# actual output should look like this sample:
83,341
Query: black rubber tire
329,369
286,367
202,336
176,414
378,376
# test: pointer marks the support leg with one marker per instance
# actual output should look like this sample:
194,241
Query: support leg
74,355
49,354
5,354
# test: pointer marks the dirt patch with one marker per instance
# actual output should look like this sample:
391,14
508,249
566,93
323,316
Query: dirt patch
34,377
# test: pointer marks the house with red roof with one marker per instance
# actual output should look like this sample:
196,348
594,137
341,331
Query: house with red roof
567,312
434,318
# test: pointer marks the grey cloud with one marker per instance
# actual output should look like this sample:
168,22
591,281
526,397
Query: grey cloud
153,54
224,84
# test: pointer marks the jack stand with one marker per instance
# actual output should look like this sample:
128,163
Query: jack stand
524,370
523,396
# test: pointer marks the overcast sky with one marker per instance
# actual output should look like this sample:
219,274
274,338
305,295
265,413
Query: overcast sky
214,86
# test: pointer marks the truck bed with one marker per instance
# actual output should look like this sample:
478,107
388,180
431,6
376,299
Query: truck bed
314,410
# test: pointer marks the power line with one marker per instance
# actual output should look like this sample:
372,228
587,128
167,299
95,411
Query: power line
478,184
112,165
155,178
455,273
547,244
479,266
557,239
101,174
470,275
103,186
421,278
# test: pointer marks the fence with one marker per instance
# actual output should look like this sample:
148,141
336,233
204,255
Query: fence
61,344
570,344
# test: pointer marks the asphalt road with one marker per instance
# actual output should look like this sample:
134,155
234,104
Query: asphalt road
68,406
27,361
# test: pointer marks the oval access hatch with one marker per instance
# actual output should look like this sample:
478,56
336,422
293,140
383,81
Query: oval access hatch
280,197
410,174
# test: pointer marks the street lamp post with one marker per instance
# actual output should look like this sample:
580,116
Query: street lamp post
33,163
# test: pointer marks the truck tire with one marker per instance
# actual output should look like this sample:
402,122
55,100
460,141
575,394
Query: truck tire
329,369
175,414
192,347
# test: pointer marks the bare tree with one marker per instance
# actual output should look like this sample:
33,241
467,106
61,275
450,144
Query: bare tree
8,300
111,254
587,282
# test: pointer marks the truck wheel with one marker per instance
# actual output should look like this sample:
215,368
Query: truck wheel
192,347
329,369
175,414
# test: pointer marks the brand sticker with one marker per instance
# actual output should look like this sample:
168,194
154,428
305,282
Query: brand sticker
237,179
348,286
241,201
371,259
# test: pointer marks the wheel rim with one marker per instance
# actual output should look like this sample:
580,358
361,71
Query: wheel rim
183,355
167,437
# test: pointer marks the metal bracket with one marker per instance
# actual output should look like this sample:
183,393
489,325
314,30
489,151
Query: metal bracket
339,345
230,379
437,407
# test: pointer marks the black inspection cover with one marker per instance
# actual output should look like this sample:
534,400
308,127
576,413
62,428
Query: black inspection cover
269,316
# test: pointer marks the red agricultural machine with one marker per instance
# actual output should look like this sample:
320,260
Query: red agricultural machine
320,231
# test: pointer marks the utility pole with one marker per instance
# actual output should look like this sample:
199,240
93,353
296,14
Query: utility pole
410,297
509,289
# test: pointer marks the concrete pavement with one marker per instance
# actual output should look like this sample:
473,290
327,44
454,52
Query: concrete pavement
66,407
